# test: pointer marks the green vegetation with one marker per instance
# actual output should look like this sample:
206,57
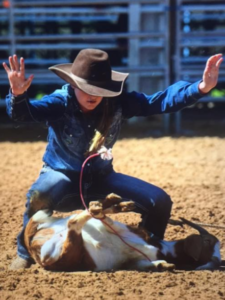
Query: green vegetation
217,93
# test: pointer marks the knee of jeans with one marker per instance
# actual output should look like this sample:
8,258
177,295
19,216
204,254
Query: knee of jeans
37,201
68,203
163,204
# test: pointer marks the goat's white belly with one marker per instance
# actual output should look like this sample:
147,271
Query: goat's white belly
108,251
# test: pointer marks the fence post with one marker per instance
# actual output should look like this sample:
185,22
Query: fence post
11,28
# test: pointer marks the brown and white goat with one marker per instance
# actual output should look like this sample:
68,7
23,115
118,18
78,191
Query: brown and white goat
81,242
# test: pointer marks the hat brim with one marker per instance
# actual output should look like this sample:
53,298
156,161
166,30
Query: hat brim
110,88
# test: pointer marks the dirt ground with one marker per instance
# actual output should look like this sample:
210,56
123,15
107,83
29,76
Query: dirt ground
190,169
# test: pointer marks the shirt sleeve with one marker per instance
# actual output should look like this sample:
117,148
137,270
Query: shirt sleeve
173,99
49,108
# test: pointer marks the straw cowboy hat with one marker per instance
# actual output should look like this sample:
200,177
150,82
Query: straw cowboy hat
91,72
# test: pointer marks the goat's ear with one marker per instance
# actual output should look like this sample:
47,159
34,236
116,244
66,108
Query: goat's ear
193,246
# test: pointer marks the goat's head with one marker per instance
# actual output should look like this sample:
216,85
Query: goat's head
203,248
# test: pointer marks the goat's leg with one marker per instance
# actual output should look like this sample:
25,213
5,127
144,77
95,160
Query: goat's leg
113,200
120,207
39,219
110,200
97,211
77,222
154,266
161,265
59,247
112,204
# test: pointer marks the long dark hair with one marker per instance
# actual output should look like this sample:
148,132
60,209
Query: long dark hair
103,125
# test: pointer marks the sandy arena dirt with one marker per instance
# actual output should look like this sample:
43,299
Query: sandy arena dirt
191,170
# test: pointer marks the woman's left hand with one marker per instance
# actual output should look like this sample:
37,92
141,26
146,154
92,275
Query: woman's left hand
211,73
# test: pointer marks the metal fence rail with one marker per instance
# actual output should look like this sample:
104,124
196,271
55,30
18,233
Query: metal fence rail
46,34
31,13
189,40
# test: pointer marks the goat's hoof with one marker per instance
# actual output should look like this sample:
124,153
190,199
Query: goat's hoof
110,200
164,266
96,208
126,206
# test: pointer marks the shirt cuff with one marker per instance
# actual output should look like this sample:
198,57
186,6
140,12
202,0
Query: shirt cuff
17,99
193,91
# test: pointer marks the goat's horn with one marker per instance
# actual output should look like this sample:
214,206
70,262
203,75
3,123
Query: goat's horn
195,226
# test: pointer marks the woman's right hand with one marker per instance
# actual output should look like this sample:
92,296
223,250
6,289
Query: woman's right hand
16,75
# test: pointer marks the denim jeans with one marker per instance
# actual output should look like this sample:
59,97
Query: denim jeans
59,191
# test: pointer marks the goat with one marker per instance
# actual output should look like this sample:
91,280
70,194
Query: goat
83,241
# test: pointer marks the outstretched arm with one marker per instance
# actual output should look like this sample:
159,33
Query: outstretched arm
211,73
18,105
16,75
175,97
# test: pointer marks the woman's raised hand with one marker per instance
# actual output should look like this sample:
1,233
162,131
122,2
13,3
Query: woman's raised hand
211,73
16,75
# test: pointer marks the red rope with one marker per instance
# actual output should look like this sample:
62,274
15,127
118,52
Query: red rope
81,176
102,219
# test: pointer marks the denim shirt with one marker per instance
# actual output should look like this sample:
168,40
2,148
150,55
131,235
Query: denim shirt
70,131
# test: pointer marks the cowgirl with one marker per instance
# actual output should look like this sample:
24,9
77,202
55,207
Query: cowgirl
83,115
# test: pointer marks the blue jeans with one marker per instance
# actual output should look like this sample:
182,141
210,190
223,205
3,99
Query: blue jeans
60,191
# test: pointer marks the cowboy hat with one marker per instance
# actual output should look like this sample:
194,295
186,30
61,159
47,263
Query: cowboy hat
91,72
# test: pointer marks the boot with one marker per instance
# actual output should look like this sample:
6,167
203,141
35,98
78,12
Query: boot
20,263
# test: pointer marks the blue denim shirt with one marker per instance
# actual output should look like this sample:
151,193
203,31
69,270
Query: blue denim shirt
70,131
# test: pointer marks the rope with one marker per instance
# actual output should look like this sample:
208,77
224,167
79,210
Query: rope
81,176
211,225
102,219
180,223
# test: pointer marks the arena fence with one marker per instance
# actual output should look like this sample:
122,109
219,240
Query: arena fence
156,41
